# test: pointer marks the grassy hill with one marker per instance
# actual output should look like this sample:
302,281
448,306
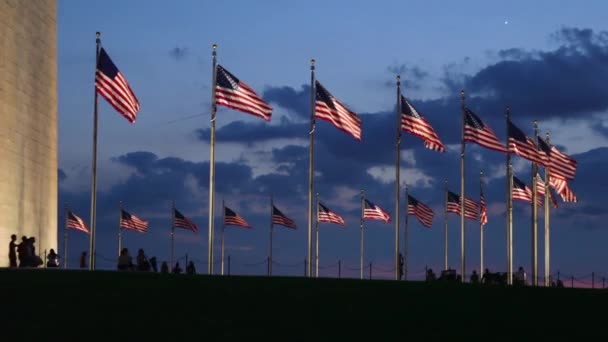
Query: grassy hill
78,304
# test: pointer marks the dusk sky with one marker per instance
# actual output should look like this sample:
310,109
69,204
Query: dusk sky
549,62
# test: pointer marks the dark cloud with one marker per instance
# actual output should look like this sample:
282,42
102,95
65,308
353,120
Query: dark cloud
564,82
239,131
412,77
296,100
61,176
179,53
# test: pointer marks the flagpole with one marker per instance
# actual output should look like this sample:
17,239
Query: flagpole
480,225
172,235
361,235
534,225
212,164
317,241
222,237
271,232
445,231
406,239
119,227
65,239
397,176
94,163
547,226
462,195
311,161
509,205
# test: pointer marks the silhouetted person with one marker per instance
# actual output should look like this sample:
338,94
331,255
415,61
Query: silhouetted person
22,251
177,269
401,263
52,259
475,277
153,264
125,263
12,251
430,276
83,260
142,261
520,277
190,269
486,276
164,268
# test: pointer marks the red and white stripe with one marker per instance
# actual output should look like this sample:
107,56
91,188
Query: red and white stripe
471,209
422,212
562,165
417,126
376,213
135,224
340,116
242,98
76,223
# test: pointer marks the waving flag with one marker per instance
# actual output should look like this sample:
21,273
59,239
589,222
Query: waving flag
233,219
560,165
522,192
471,208
329,109
561,187
413,123
110,83
374,212
540,190
75,222
232,93
421,211
180,221
132,222
476,131
483,210
326,215
279,218
524,146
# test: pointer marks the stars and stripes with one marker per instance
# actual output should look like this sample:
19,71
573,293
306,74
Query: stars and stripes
132,222
483,210
374,212
181,221
423,213
471,208
279,218
413,123
326,215
522,192
476,131
329,109
75,222
561,187
111,84
232,93
560,164
523,146
233,219
540,190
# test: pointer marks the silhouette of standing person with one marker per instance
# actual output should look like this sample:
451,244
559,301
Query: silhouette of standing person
12,252
401,262
83,260
52,259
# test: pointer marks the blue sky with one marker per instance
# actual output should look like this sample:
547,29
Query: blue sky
548,62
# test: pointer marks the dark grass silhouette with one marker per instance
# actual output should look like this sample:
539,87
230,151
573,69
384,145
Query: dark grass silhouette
60,304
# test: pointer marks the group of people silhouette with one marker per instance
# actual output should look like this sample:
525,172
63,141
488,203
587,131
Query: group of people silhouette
143,264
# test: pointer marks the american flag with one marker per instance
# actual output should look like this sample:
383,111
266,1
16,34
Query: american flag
423,213
523,146
522,192
374,212
110,83
279,218
540,190
561,187
560,164
471,208
182,221
476,131
132,222
233,219
413,123
75,222
234,94
328,108
483,210
326,215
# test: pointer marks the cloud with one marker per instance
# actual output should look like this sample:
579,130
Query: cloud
179,53
412,77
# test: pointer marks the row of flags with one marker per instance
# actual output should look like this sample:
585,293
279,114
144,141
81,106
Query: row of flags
230,92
